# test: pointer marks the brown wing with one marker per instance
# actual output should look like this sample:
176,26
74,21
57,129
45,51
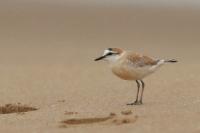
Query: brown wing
140,60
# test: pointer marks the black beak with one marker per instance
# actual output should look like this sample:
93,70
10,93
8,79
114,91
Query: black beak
100,58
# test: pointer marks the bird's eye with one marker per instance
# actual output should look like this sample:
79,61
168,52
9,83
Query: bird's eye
110,53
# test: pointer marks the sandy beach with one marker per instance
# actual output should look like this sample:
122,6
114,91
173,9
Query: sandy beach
46,62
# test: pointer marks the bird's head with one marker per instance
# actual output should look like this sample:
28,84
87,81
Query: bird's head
110,54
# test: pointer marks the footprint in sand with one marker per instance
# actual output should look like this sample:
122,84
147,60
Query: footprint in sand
70,113
125,117
16,108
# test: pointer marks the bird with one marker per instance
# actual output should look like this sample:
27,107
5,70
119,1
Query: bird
132,66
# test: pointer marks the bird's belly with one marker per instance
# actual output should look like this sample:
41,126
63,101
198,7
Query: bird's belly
131,73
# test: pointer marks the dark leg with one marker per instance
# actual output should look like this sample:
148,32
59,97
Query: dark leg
138,89
143,85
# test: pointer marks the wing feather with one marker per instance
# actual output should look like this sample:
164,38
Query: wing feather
140,60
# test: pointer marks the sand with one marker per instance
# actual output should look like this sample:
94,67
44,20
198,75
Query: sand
46,62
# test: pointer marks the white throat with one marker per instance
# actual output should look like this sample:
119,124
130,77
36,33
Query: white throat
112,59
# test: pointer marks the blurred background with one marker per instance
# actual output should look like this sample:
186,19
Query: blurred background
50,32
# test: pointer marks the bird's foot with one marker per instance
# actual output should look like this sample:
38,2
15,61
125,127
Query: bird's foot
135,103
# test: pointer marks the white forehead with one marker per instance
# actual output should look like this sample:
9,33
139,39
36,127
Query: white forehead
106,52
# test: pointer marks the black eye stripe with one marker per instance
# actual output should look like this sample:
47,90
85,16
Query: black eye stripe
110,53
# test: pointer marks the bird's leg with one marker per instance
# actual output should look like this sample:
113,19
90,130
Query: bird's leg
138,89
143,85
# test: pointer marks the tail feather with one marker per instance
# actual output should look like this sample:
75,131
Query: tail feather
171,61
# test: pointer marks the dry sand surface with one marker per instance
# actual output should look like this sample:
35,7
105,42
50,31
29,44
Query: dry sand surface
46,62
